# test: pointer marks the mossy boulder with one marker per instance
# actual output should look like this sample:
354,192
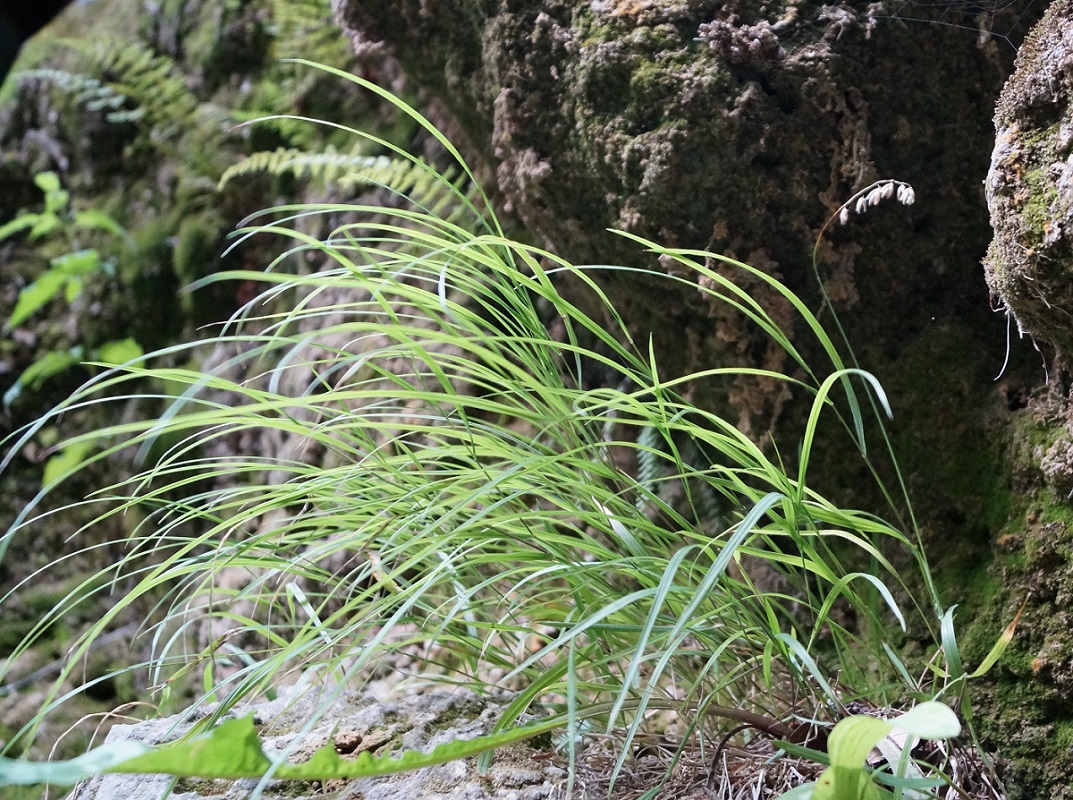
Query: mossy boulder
1030,185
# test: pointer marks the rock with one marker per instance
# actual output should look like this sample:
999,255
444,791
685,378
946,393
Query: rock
1030,185
302,722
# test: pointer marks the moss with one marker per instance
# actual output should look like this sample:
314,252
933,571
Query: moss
1038,210
1024,706
1028,264
196,247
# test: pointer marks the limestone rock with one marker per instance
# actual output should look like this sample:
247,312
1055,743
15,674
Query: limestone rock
301,723
1030,185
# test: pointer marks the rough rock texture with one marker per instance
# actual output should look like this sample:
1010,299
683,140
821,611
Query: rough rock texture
740,127
356,724
1030,185
1029,266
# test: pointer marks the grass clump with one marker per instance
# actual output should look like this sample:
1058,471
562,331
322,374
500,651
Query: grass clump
404,453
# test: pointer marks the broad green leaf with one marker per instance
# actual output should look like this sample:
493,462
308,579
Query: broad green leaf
47,181
44,225
20,223
66,460
57,201
65,773
56,197
80,262
233,750
41,370
929,720
98,220
72,289
845,783
802,791
34,296
119,352
854,738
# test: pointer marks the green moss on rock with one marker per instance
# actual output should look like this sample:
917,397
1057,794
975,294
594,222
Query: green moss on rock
1030,186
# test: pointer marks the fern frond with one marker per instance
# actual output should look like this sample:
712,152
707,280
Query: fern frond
130,81
422,185
330,166
153,84
305,28
84,89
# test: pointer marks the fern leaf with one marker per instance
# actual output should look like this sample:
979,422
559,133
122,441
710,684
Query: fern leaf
85,89
130,82
420,184
305,28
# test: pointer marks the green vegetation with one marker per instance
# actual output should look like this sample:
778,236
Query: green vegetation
84,103
490,475
852,742
66,273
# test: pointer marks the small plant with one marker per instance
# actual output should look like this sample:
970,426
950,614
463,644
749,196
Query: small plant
855,738
67,272
65,276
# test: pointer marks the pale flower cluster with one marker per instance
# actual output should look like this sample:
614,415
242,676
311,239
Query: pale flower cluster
874,194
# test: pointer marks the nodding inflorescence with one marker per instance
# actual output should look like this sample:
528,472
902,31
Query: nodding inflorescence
874,194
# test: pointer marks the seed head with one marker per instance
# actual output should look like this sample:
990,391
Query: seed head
872,195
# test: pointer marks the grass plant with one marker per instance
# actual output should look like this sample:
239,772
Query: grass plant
406,452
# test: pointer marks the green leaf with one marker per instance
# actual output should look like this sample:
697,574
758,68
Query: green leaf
56,197
47,181
41,370
66,773
804,791
44,225
34,296
118,352
100,221
80,262
845,783
64,274
855,737
233,750
72,289
929,720
1000,646
950,645
57,201
66,460
20,223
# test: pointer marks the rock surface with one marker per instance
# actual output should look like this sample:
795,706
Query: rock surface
737,127
1030,185
301,724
